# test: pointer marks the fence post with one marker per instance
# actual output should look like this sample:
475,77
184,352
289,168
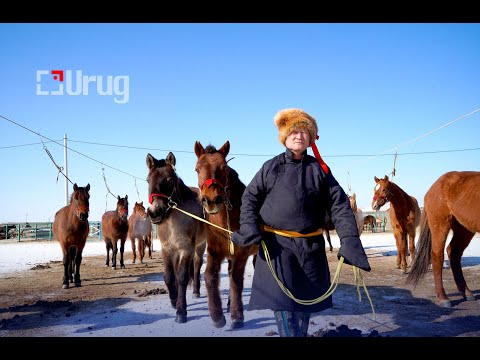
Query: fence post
19,231
50,232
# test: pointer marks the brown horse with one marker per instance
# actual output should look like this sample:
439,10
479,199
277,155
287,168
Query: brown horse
71,229
114,228
326,231
370,222
357,212
140,228
183,237
404,216
451,203
220,194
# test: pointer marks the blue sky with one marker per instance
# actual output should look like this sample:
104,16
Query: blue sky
374,89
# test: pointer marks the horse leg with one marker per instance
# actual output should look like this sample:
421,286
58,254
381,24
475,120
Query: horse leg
229,291
122,250
134,252
66,267
212,283
401,250
439,235
460,240
78,261
236,290
71,267
150,245
169,277
197,264
108,246
141,248
329,241
114,254
411,246
183,278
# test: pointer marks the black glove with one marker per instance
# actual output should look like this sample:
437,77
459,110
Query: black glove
353,253
248,234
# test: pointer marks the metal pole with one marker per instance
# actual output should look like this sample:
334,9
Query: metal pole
66,167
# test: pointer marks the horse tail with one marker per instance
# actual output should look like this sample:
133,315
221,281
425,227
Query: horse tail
424,254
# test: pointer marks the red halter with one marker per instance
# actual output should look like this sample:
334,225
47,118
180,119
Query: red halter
150,198
211,182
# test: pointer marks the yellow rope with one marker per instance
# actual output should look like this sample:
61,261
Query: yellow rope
356,272
208,222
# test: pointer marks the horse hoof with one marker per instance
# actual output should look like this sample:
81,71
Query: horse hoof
236,324
122,267
114,268
195,295
181,319
445,303
221,323
77,284
66,286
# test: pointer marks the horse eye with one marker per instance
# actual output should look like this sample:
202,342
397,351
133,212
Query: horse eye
196,170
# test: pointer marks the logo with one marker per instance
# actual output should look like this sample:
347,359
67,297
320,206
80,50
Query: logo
74,83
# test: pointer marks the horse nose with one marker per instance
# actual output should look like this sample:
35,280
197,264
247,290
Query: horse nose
218,200
204,201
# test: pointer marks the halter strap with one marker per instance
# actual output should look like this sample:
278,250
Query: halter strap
150,198
210,182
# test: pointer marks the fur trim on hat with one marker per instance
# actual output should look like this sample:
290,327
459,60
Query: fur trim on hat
290,119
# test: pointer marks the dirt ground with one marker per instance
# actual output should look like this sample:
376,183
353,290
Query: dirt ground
39,290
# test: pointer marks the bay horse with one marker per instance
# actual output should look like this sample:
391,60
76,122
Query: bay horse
370,221
115,228
140,228
451,203
326,230
220,194
357,212
183,237
71,228
404,216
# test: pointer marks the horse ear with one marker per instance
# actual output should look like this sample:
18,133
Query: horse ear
141,203
75,187
118,197
87,187
376,179
126,197
386,177
151,161
199,150
225,149
170,159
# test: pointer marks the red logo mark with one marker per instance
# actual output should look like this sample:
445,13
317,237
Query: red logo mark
59,73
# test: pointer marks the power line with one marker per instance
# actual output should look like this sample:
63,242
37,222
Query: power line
88,157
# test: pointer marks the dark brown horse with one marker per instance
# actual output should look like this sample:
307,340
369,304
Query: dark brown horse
71,229
451,203
404,217
183,237
140,228
115,228
370,222
220,194
326,231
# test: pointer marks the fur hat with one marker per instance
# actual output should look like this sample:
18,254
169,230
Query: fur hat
290,119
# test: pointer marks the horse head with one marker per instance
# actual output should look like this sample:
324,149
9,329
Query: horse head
381,192
162,186
353,202
139,210
213,175
80,198
122,207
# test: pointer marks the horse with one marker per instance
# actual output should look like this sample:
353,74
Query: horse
404,216
114,228
370,221
220,194
71,228
326,231
357,212
451,203
183,237
140,228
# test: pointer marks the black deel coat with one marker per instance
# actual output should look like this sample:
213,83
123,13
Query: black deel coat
295,195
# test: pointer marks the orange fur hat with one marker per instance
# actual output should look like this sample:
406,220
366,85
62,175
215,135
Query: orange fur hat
291,119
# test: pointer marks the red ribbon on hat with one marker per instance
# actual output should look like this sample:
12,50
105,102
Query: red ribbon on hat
319,158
